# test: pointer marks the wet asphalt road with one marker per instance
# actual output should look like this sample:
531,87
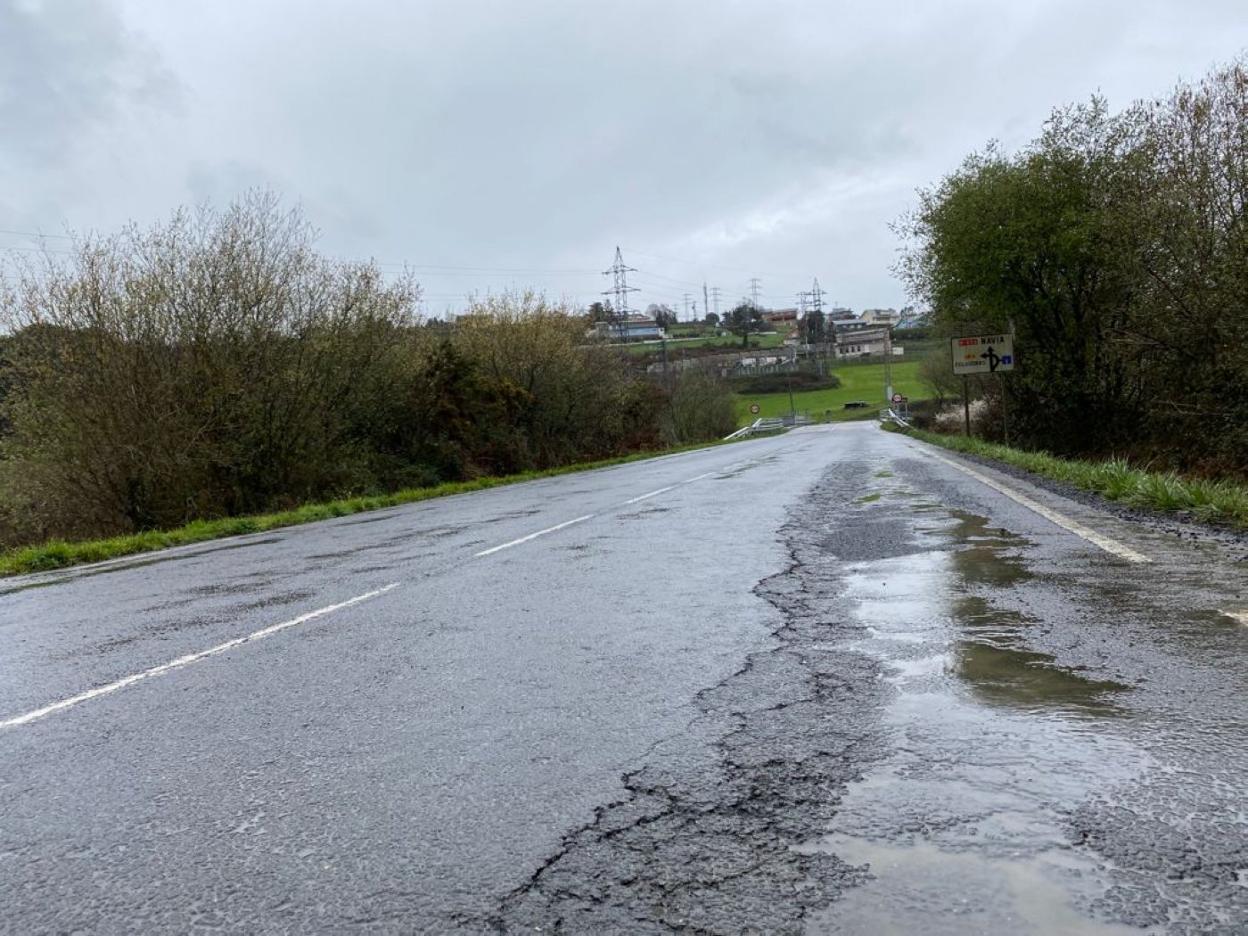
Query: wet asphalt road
825,682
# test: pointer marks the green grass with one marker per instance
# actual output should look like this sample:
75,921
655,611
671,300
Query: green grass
869,498
58,554
1217,501
858,382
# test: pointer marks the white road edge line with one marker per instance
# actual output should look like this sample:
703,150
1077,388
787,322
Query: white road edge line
1111,546
1240,617
188,659
532,536
701,476
662,490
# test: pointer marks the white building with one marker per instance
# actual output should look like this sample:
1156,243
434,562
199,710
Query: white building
880,316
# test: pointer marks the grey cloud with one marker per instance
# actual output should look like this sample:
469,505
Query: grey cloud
66,67
737,137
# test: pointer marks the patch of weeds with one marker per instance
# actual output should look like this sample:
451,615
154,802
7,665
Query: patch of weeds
1217,501
884,474
869,499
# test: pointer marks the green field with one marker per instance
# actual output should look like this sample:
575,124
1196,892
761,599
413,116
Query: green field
858,382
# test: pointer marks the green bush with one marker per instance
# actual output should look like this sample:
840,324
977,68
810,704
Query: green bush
217,366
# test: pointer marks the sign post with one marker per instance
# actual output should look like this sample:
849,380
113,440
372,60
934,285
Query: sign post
980,354
966,404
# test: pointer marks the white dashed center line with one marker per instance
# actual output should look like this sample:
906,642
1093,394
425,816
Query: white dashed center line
188,659
663,490
533,536
699,477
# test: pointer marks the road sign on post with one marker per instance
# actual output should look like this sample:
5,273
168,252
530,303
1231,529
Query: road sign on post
982,354
754,408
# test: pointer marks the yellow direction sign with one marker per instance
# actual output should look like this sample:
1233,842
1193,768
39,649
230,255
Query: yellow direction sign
983,354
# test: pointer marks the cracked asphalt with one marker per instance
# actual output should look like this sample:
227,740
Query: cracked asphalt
815,683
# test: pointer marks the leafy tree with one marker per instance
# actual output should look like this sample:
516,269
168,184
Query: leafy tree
744,320
814,326
1027,242
711,319
1116,246
217,364
663,316
600,312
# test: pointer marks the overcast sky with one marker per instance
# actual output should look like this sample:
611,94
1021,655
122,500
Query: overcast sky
713,141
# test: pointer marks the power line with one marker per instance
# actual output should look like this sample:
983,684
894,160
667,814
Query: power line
716,266
36,234
486,271
671,279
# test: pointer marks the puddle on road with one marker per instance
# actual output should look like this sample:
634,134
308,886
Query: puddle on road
993,661
980,556
1030,681
964,824
933,891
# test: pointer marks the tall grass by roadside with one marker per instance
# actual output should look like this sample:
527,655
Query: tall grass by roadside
1218,501
58,554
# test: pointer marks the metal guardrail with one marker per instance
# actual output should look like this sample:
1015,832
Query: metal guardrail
772,424
743,431
888,414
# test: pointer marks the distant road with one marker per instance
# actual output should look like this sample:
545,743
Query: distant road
701,693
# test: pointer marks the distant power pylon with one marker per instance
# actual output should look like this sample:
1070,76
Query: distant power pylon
686,299
756,288
816,296
619,291
715,291
816,299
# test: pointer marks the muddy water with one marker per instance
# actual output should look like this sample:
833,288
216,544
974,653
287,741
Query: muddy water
963,827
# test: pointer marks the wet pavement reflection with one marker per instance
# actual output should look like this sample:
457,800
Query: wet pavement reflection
963,826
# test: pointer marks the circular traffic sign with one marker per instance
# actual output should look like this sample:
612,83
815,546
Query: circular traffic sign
754,408
898,398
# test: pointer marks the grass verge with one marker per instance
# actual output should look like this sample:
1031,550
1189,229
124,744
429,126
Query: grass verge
858,382
57,554
1219,501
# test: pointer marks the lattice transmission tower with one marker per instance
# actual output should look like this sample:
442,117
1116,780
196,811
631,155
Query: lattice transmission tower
619,292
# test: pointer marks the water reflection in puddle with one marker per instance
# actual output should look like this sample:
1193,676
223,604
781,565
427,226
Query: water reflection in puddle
963,825
1029,681
932,890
